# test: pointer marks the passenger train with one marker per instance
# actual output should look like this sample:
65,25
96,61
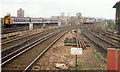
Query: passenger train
88,21
9,21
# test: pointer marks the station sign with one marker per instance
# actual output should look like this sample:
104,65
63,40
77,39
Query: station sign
76,51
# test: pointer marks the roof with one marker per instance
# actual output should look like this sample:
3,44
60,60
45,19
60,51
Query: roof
20,17
116,5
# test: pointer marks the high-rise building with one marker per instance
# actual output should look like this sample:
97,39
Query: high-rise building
20,13
78,15
78,18
62,14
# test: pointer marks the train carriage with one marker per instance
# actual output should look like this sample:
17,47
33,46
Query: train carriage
53,21
36,20
20,20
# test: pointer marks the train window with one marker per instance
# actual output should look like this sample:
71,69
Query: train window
8,18
28,20
22,20
32,20
18,19
25,20
14,19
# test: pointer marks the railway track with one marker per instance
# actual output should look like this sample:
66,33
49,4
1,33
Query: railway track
5,58
115,37
32,63
103,35
16,37
106,33
25,36
112,34
19,41
9,60
97,39
11,30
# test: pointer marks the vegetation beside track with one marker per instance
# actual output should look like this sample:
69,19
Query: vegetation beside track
111,26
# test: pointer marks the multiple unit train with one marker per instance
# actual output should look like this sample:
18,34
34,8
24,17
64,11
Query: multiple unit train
8,21
88,20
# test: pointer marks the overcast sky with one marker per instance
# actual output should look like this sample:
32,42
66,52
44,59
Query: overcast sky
47,8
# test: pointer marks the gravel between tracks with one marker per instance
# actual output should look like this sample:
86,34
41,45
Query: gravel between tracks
23,60
60,54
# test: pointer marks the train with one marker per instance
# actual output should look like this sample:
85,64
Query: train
10,21
88,21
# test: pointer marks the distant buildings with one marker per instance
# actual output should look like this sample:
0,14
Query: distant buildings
79,18
20,13
62,14
68,20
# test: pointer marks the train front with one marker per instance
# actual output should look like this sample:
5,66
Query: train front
6,21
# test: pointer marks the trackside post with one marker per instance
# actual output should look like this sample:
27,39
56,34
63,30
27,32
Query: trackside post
76,51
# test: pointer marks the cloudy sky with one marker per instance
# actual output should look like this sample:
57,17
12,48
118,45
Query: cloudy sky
47,8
